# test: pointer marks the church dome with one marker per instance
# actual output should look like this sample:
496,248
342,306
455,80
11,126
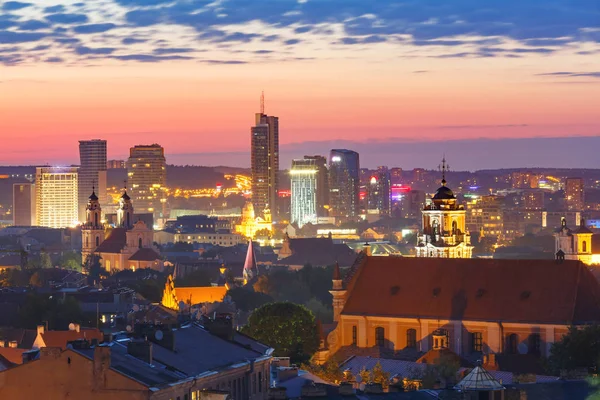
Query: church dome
444,193
93,196
125,196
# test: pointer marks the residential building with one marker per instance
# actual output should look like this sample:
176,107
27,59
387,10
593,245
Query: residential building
344,184
264,148
147,176
322,185
23,204
56,196
198,229
485,215
308,177
444,232
116,164
318,252
574,194
92,172
188,362
525,180
483,306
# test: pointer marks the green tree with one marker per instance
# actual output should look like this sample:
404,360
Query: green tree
14,277
320,310
248,300
37,279
329,372
45,260
264,284
365,375
290,329
578,349
71,260
94,269
380,376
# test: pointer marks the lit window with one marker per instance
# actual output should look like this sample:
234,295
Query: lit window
477,341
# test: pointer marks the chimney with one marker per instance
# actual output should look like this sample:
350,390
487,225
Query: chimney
12,344
222,327
40,329
367,249
101,366
141,349
3,343
50,352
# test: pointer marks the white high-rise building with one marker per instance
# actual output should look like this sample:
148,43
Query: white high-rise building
56,196
304,191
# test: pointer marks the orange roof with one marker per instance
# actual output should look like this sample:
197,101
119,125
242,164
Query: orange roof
530,291
61,338
204,294
14,355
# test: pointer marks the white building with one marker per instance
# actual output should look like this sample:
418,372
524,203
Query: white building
304,191
56,196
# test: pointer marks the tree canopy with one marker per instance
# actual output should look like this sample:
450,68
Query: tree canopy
290,329
578,349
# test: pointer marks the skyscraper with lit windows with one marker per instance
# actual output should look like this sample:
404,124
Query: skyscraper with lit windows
574,194
344,184
146,178
308,189
264,148
56,196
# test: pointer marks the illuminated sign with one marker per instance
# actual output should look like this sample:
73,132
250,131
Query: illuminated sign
336,159
373,180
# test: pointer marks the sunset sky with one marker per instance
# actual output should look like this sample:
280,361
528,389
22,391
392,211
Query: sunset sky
188,74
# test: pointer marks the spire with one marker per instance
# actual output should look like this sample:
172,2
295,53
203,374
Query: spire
336,272
250,267
125,196
444,168
262,102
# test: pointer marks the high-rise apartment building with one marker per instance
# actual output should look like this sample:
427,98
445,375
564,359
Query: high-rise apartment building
23,204
146,178
525,180
264,143
56,196
344,183
378,192
116,164
574,194
309,189
92,172
485,215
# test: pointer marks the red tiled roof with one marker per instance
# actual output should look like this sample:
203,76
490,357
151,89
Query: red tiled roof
145,254
14,355
534,291
61,338
114,243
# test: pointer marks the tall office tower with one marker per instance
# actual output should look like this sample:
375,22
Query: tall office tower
322,185
56,196
23,204
378,192
344,183
146,178
92,173
309,190
264,143
574,194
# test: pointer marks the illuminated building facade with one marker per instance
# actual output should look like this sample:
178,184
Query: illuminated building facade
92,172
574,245
444,233
379,192
250,224
56,196
309,189
264,148
23,204
344,184
525,180
485,215
147,175
92,230
116,164
574,194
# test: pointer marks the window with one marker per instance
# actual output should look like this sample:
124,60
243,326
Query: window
354,335
584,246
140,243
260,382
534,344
477,341
97,241
379,336
195,395
96,220
411,338
512,341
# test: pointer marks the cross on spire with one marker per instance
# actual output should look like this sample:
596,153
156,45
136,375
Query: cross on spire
444,167
125,184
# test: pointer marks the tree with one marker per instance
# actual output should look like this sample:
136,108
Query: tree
37,279
443,371
365,375
578,349
94,268
70,260
329,372
290,329
182,247
320,310
14,277
248,300
45,260
264,285
380,376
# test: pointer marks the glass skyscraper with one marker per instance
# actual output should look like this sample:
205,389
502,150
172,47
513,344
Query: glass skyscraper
265,162
308,184
92,172
344,184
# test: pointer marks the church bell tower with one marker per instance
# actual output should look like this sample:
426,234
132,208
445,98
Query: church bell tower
125,212
92,231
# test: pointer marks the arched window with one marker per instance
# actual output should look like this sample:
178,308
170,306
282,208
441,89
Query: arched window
512,341
354,335
95,219
97,241
379,336
534,344
87,241
584,246
411,338
128,219
454,228
140,243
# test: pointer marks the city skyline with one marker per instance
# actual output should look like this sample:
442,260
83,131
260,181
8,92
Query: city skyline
189,74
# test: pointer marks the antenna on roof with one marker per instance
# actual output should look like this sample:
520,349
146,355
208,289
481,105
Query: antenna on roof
125,184
262,102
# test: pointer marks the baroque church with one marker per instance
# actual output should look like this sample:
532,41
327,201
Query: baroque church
574,244
444,233
129,245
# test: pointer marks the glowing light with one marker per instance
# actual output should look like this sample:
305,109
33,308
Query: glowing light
336,159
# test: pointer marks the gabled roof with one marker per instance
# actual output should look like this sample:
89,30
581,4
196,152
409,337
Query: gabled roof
23,337
145,254
531,291
61,338
114,243
13,355
318,252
